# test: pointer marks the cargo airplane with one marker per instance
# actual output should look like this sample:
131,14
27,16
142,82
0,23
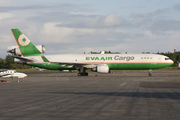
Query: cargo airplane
26,52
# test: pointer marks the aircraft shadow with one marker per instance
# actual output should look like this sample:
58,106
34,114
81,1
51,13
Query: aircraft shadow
163,95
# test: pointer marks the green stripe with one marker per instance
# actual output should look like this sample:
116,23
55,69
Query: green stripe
137,66
45,59
52,66
112,66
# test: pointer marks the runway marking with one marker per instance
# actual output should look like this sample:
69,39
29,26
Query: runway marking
103,79
123,84
143,79
68,79
88,83
18,109
57,77
95,81
93,75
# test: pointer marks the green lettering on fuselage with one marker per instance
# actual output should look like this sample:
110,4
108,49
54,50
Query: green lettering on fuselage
96,58
87,58
109,58
99,58
102,58
92,58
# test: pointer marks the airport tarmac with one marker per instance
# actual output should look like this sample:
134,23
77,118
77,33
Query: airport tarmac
118,96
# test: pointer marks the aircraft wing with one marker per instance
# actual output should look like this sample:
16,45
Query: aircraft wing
77,65
23,59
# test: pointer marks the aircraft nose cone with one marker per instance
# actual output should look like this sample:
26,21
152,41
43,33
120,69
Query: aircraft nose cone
172,61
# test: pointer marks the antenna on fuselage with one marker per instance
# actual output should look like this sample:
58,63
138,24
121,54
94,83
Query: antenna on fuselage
102,52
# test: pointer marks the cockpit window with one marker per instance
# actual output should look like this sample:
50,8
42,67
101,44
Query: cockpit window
166,58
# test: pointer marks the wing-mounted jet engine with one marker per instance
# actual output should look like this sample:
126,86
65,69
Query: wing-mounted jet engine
101,68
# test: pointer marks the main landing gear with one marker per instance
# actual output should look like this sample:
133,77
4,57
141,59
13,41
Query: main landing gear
82,72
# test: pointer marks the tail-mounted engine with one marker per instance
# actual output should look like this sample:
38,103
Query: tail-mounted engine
28,50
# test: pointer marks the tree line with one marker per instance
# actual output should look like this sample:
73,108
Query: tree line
8,63
106,52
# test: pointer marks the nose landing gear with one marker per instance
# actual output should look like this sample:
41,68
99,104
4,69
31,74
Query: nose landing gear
150,74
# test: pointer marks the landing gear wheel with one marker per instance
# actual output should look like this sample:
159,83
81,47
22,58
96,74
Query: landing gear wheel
83,74
79,74
150,74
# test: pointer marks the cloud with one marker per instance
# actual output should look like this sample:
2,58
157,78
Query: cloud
95,21
112,20
177,7
62,34
141,20
5,15
78,28
162,26
16,8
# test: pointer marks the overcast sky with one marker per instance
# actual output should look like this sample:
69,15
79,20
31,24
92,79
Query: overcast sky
78,26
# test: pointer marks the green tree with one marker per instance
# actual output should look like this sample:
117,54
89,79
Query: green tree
9,61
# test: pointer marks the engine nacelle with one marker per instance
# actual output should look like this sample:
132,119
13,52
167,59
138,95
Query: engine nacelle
41,48
101,68
30,50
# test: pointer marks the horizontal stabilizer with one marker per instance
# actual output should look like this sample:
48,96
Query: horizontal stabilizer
23,59
11,47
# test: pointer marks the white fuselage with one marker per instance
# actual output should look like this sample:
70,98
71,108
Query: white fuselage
12,73
103,58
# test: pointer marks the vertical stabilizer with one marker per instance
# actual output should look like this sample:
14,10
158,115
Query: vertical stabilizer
26,47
